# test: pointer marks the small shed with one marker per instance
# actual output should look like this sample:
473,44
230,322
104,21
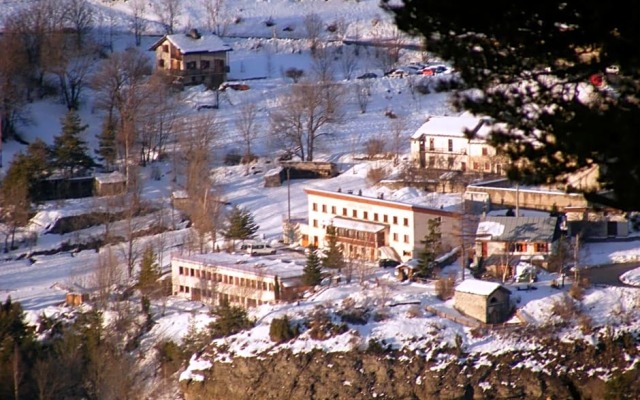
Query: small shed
489,302
110,184
74,299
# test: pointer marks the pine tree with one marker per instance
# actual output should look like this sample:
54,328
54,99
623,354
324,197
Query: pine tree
149,272
240,224
333,257
230,319
106,150
312,272
432,245
69,150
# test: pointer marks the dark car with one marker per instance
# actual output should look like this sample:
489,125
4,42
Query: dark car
368,75
387,263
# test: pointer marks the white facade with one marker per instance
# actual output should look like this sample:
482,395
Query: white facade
239,279
442,143
364,225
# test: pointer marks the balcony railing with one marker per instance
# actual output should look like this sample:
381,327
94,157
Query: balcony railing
444,150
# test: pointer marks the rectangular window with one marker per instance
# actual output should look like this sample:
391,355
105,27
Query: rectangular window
192,272
406,222
485,151
324,208
365,215
161,63
354,213
205,64
450,162
542,247
314,206
333,209
385,219
395,220
487,166
165,48
180,271
406,238
344,212
450,144
191,65
315,223
476,166
395,237
375,217
432,144
432,162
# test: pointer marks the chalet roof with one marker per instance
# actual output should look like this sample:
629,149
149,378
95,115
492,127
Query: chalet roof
362,226
532,229
481,288
113,177
189,44
453,127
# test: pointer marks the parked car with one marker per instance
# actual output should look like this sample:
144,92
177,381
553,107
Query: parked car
434,70
387,263
368,75
397,73
258,249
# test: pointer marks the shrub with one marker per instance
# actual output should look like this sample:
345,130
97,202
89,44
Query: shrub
321,327
355,316
231,320
170,356
374,147
232,158
414,311
281,330
576,292
375,175
294,74
445,288
565,308
377,347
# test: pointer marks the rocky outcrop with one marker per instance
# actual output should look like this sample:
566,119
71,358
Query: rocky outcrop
557,371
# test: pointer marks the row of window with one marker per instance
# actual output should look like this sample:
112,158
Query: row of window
432,146
522,247
364,215
227,279
222,296
463,165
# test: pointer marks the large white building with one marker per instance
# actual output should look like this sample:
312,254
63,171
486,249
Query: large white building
239,279
369,228
442,143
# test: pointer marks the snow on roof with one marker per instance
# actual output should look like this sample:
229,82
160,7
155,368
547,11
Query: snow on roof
187,44
180,194
113,177
340,222
476,286
452,126
519,228
492,228
267,267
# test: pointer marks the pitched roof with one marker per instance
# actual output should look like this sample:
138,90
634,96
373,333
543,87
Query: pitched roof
453,127
501,228
188,44
482,288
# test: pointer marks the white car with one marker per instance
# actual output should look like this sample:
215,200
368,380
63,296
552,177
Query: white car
258,249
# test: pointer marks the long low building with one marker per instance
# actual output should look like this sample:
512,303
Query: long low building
239,279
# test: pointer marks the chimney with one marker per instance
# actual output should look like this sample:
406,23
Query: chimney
194,34
339,190
359,192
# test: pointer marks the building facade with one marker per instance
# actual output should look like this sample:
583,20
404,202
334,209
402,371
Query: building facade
370,228
442,143
193,59
238,279
488,302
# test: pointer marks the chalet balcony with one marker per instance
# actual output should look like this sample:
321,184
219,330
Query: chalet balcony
444,150
359,233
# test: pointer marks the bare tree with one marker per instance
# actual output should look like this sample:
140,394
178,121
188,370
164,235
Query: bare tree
348,61
246,125
79,15
121,81
313,26
168,11
397,128
322,65
302,115
215,19
363,94
138,22
156,119
106,275
205,209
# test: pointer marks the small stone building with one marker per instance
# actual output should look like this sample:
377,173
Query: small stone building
488,302
110,184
